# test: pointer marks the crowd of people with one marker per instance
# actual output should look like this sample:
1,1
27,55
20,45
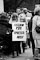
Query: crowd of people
23,15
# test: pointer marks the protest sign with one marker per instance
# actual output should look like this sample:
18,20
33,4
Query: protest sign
19,33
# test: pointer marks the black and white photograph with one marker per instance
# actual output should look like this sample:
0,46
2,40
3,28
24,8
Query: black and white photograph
19,29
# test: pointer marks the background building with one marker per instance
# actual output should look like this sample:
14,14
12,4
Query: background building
13,4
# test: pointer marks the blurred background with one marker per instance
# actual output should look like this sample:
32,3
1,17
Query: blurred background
14,4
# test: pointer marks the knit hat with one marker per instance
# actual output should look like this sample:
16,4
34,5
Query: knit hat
36,10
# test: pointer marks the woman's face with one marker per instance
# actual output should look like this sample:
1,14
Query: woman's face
15,18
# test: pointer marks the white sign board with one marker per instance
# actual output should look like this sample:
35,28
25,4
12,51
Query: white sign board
1,6
19,33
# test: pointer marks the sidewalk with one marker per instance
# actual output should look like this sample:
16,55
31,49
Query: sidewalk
24,56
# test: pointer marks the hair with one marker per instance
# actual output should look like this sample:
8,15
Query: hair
36,13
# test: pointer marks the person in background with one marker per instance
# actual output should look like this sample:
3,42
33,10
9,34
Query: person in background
11,11
28,18
5,16
30,33
22,18
25,10
18,11
32,14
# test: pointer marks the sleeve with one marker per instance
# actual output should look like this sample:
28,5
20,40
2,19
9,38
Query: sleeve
34,23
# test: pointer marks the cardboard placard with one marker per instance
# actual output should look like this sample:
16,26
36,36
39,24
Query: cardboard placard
19,33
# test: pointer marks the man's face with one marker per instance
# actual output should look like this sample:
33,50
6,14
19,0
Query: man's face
22,17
